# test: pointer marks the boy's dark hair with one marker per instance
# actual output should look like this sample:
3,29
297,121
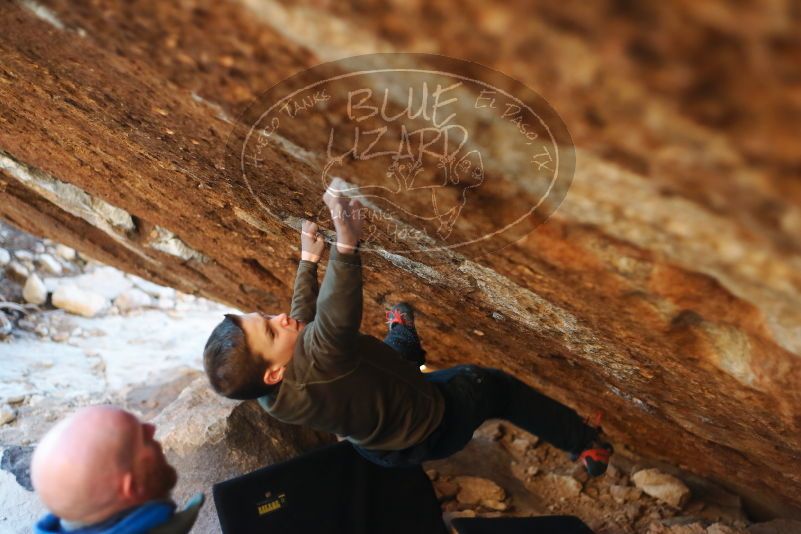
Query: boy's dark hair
233,370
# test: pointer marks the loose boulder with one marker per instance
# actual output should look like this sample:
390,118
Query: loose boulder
476,491
7,414
34,290
49,264
23,255
132,299
106,281
65,252
17,271
662,486
78,301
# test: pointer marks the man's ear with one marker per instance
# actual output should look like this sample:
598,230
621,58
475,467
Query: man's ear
273,375
129,488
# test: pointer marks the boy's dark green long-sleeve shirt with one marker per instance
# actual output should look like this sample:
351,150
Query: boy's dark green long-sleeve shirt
345,382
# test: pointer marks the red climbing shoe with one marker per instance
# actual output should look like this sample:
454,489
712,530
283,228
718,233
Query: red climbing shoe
400,313
596,457
405,340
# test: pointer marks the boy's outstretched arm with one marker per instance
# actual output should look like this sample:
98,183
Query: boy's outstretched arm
304,297
339,305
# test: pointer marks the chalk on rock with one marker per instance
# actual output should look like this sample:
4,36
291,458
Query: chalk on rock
662,486
132,299
78,301
5,257
49,264
65,252
34,291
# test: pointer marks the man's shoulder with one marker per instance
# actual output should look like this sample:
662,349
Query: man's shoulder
181,522
154,517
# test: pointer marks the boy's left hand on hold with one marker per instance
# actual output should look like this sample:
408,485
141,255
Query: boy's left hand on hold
346,213
312,243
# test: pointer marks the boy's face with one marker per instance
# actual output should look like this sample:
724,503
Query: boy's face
271,338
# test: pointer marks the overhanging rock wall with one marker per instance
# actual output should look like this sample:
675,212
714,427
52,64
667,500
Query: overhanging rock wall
666,288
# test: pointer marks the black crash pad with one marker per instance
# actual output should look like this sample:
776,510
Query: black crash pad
547,524
329,490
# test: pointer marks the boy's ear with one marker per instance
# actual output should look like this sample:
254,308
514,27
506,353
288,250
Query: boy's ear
274,375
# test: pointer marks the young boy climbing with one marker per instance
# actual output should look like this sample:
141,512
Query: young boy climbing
313,367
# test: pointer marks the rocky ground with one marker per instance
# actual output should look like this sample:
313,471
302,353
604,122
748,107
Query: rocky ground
76,332
507,472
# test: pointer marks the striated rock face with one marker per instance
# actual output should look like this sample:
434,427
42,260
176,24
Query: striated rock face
665,289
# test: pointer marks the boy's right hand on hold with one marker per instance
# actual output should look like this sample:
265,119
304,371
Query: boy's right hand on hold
312,243
346,214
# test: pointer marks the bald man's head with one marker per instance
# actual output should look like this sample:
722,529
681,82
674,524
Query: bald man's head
97,462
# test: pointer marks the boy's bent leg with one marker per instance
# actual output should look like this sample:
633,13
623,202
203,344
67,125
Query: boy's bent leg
474,394
515,401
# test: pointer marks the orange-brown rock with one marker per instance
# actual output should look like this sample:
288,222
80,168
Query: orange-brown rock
666,288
